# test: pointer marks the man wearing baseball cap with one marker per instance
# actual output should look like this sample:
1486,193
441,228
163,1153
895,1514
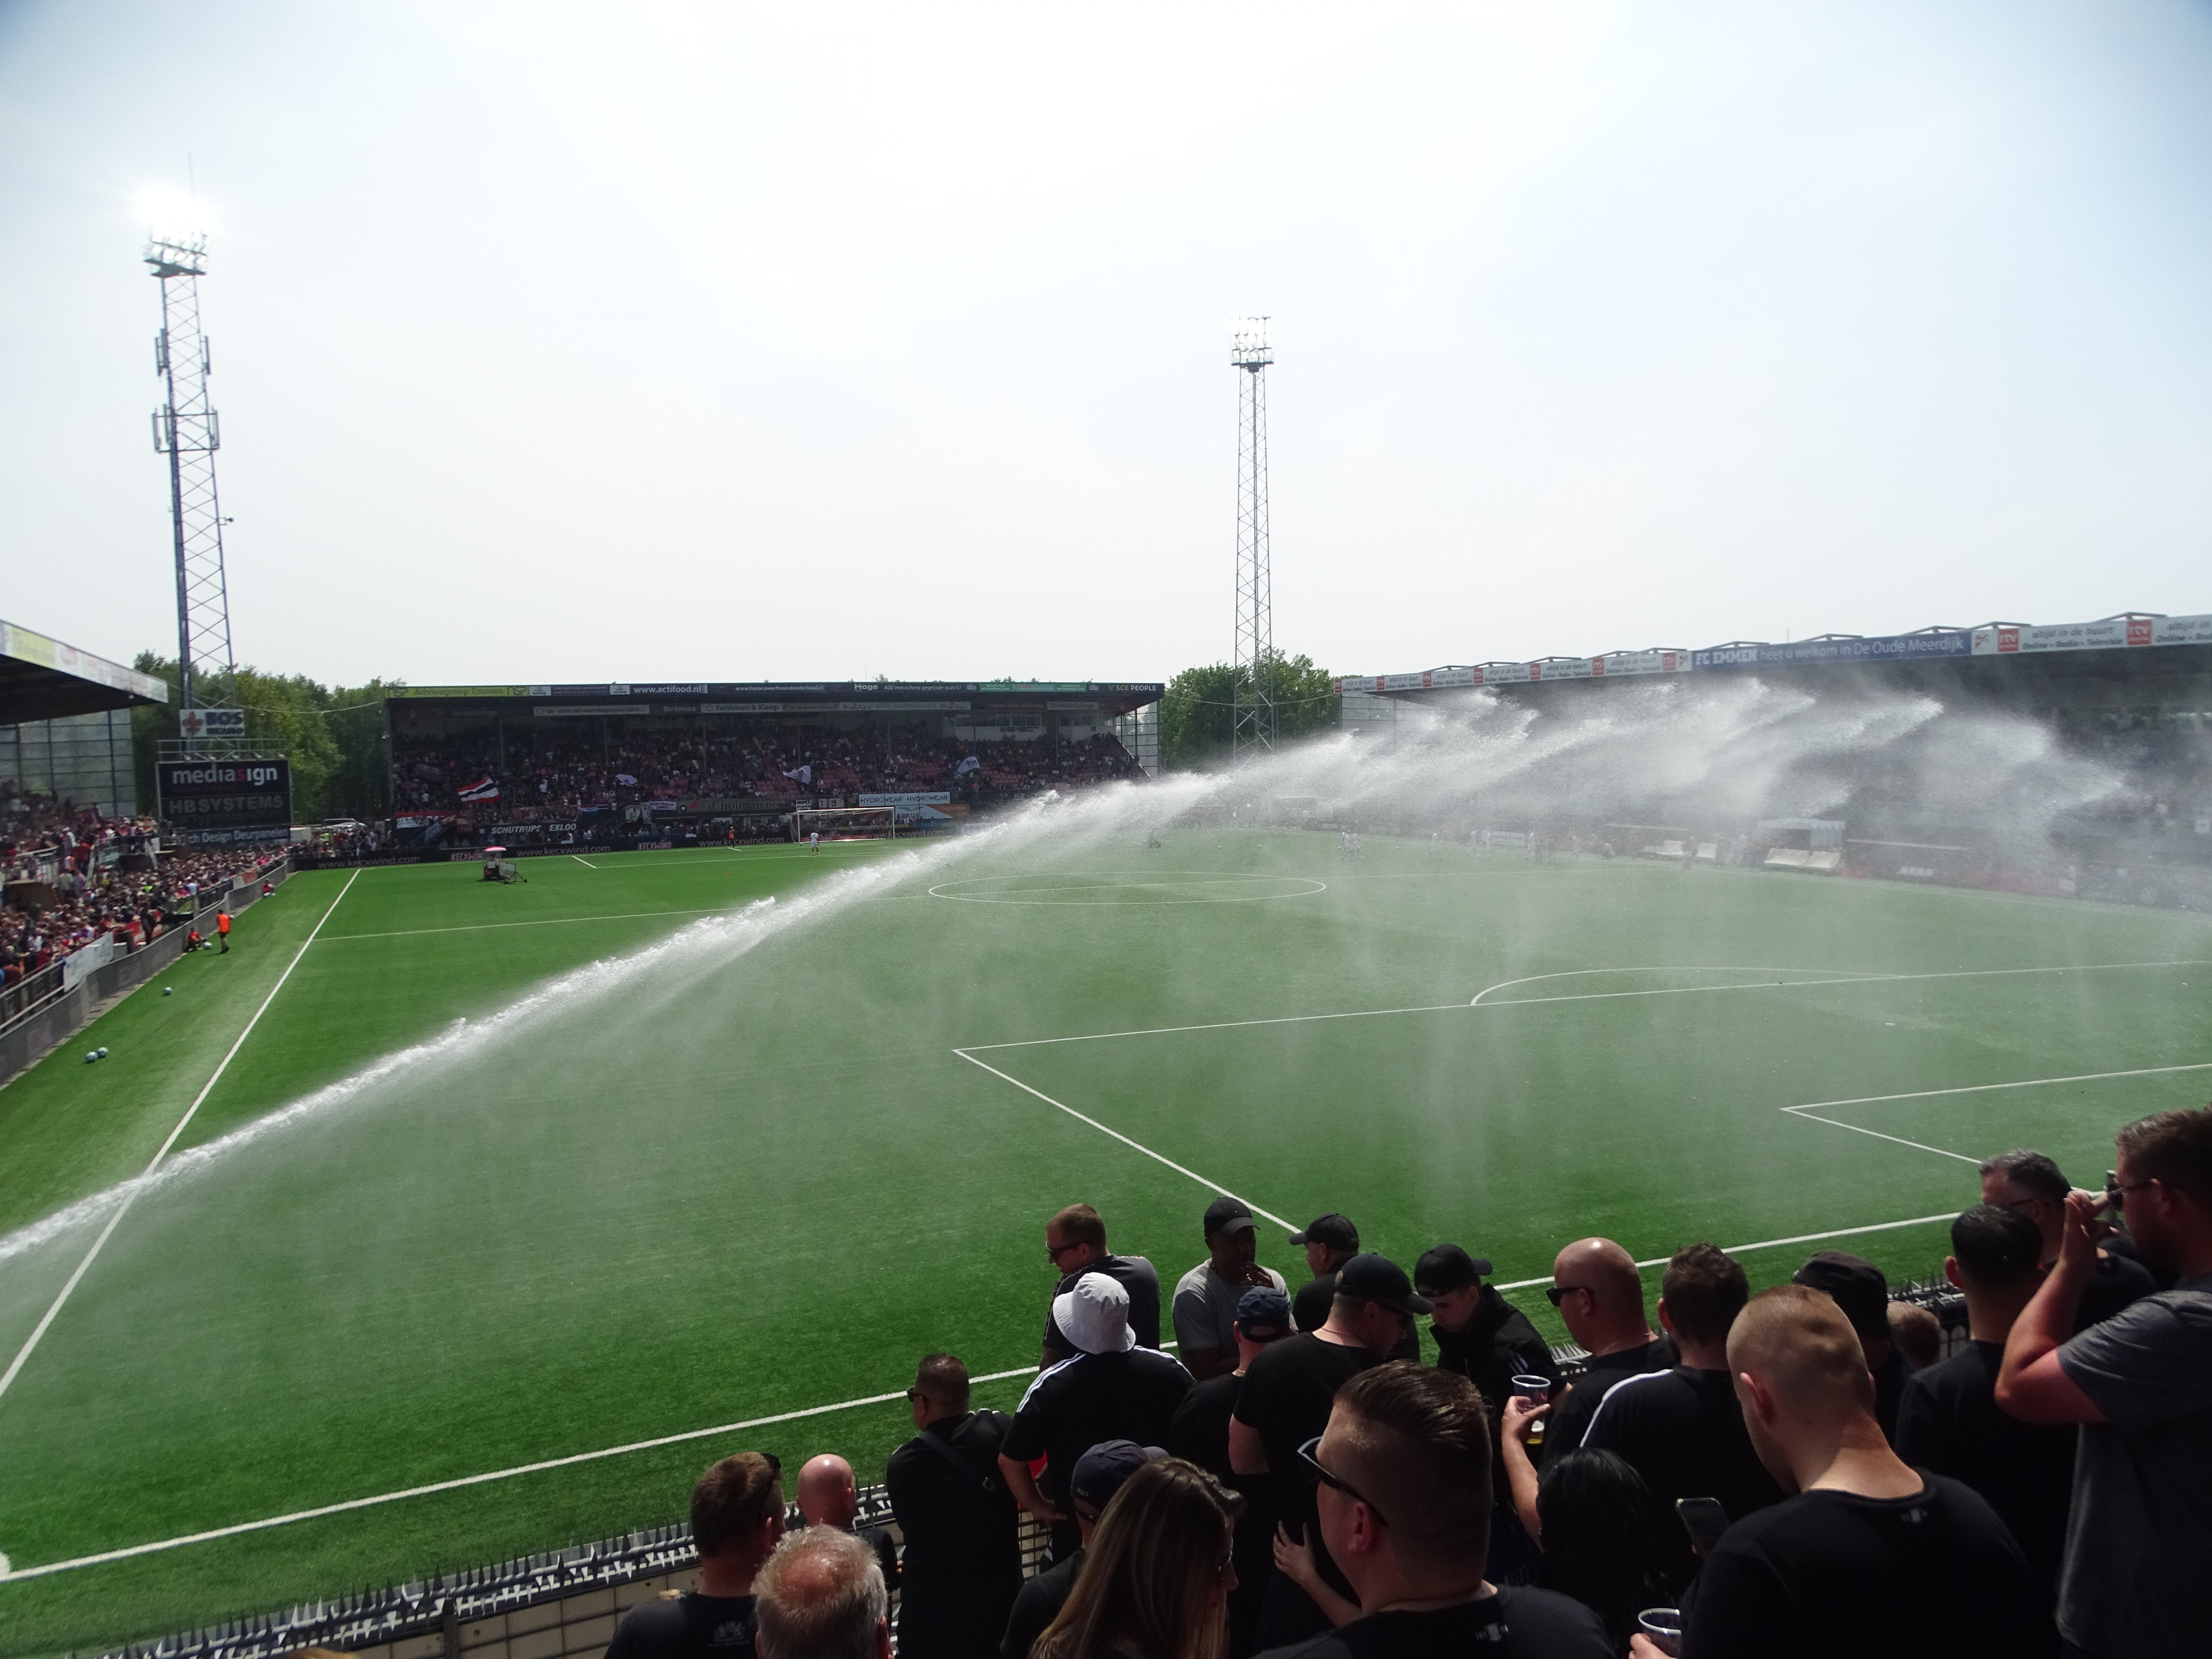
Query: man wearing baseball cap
1099,1474
1479,1334
1286,1401
1859,1288
1205,1306
1112,1390
1331,1241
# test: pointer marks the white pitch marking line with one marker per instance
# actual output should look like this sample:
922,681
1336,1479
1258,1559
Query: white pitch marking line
1213,1186
547,921
582,860
1811,1107
1772,1244
350,1504
130,1197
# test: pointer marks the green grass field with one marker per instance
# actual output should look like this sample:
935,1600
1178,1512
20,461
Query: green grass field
764,1168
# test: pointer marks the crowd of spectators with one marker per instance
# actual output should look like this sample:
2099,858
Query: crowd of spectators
1722,1474
74,877
561,771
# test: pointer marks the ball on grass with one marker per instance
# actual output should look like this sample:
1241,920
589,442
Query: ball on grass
102,1053
90,1056
167,990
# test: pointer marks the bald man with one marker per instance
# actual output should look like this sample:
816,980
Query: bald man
1868,1555
1599,1295
827,1498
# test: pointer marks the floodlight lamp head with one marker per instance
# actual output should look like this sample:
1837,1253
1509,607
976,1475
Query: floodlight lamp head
179,257
1247,343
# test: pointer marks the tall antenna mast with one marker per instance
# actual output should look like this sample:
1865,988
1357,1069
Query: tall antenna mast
187,430
1252,734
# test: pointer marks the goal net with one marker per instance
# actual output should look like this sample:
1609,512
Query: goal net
845,822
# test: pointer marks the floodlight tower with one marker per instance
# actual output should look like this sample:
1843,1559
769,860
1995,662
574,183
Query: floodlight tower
187,430
1252,732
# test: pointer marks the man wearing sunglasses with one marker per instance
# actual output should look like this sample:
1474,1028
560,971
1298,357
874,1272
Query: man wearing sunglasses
1599,1297
2031,1186
2140,1384
1075,1244
1403,1499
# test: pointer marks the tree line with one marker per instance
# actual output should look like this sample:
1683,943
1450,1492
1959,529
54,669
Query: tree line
1198,714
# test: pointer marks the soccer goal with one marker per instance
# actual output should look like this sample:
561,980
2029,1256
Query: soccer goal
845,822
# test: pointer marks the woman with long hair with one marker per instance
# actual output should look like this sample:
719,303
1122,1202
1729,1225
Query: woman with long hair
1156,1579
1607,1541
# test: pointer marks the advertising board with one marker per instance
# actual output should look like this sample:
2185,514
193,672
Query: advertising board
225,803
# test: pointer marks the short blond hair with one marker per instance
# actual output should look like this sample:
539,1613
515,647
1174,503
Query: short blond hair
1797,1341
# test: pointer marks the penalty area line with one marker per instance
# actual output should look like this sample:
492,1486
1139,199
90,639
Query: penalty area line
130,1197
1213,1186
459,1482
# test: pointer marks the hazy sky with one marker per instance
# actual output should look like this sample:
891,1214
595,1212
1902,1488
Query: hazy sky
722,341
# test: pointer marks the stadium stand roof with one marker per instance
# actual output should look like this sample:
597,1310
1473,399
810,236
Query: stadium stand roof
42,679
2126,631
806,697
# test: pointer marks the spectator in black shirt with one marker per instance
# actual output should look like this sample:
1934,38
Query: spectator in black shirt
1869,1556
1607,1541
1330,1242
1200,1434
962,1565
1158,1575
1949,1421
1404,1507
1857,1286
1286,1401
827,1498
1112,1390
2030,1184
2140,1384
822,1596
1916,1333
1479,1333
1682,1430
1599,1297
1099,1474
737,1516
1075,1241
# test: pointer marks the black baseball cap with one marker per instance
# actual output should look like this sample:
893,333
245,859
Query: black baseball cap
1263,1313
1447,1267
1101,1471
1228,1215
1857,1286
1332,1230
1378,1278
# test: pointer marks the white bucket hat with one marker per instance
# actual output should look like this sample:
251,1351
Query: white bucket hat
1095,1315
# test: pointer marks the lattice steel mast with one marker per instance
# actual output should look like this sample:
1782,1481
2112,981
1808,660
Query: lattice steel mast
1252,735
187,431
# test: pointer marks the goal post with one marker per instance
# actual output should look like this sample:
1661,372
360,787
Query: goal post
845,822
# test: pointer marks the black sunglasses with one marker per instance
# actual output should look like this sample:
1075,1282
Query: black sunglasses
1553,1292
1306,1455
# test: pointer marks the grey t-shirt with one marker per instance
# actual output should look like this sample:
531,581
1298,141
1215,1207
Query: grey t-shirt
2140,1533
1205,1309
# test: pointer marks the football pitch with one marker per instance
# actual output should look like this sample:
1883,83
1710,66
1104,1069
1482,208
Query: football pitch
505,1210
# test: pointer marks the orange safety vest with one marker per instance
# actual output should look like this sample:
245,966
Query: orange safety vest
223,924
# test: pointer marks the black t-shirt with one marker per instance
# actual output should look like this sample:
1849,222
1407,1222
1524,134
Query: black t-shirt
959,1520
687,1626
1287,1397
1682,1431
1512,1623
2118,1282
1310,1312
1038,1605
1076,1404
1831,1573
1570,1418
1199,1431
1950,1423
1135,1275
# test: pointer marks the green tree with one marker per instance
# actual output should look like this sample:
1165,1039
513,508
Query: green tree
1198,713
333,739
